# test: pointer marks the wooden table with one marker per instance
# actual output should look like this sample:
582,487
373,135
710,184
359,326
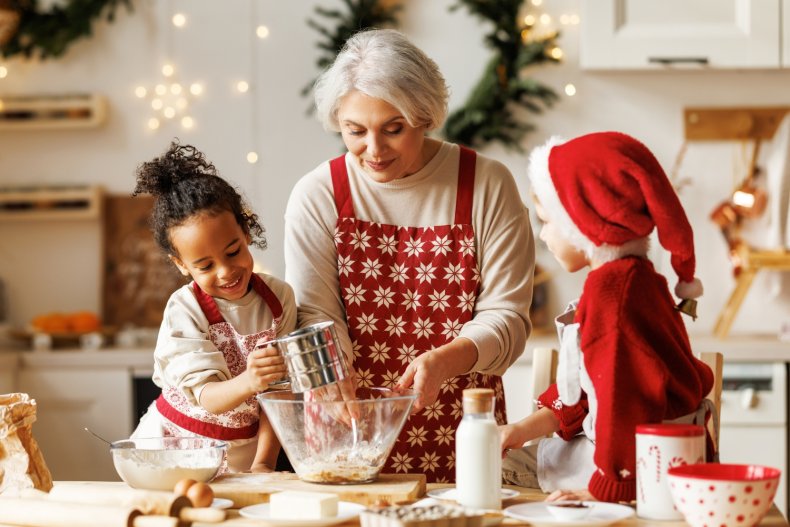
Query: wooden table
774,518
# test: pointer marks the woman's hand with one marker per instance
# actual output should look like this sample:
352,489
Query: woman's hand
571,495
264,366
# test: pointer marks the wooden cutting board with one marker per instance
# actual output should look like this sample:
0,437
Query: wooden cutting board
250,489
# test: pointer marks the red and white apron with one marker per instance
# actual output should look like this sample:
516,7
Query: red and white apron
408,290
240,425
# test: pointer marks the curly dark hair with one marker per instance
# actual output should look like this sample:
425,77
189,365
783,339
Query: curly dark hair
183,184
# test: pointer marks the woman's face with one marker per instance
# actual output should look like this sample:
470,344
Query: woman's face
571,258
213,250
385,145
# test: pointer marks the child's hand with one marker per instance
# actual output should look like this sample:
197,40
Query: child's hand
264,366
511,436
571,495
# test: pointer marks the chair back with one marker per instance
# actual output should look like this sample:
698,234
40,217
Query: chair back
715,361
544,372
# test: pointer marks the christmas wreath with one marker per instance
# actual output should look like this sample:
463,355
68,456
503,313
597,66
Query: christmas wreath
494,110
27,30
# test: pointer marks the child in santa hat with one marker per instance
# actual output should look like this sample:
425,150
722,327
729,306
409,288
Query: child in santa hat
625,357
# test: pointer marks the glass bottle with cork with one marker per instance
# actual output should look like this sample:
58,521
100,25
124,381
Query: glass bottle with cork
478,458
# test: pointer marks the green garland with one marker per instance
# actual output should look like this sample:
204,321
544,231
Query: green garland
361,14
48,34
491,113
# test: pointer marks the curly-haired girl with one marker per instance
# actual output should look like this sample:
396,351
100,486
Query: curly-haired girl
207,360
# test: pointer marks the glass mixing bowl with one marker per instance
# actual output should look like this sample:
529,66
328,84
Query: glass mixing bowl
331,440
158,463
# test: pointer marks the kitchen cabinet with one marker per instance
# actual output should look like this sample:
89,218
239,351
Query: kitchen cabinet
70,400
638,34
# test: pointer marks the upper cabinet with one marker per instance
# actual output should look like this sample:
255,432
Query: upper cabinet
644,34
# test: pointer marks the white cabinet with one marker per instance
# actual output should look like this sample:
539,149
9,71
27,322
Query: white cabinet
70,400
643,34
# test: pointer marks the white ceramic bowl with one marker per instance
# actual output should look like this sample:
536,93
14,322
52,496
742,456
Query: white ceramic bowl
158,463
568,510
712,494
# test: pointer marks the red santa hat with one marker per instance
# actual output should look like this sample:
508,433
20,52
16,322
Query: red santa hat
606,192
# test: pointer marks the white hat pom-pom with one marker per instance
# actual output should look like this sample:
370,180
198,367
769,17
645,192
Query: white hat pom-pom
691,289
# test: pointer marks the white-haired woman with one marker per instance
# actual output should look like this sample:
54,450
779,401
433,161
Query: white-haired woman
419,250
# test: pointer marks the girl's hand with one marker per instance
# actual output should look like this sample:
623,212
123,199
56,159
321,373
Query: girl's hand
264,366
425,376
571,495
511,436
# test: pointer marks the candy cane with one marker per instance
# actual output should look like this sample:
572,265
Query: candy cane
654,448
641,463
677,462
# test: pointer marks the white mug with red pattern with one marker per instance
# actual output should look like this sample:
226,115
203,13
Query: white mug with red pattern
660,447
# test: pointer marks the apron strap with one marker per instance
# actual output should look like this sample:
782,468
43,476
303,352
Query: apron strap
466,186
341,188
211,310
268,296
208,305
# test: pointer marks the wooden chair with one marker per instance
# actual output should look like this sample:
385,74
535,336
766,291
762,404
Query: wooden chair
544,373
715,361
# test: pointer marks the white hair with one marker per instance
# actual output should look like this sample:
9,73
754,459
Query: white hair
384,64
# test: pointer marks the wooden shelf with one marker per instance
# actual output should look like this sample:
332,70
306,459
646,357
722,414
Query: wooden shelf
47,112
50,203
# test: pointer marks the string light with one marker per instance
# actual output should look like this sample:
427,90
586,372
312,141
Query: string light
242,86
252,157
556,53
570,90
169,98
262,31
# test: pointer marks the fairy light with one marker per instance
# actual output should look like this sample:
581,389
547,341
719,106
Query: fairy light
187,122
169,112
570,90
545,19
157,104
140,92
179,20
262,31
168,70
196,88
153,123
160,89
556,53
242,86
537,3
175,89
252,157
574,19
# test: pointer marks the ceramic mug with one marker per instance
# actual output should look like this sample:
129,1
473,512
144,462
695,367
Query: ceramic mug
660,447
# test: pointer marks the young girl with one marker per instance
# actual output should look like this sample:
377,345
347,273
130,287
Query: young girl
625,357
207,360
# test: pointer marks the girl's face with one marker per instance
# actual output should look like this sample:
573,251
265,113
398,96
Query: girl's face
385,145
571,258
214,250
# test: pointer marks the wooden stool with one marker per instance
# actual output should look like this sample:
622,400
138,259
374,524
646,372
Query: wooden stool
752,261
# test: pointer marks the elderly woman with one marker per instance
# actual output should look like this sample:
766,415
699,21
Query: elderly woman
419,250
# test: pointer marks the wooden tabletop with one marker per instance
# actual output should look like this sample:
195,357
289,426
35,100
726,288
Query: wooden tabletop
774,518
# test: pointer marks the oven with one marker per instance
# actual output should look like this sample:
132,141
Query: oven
754,418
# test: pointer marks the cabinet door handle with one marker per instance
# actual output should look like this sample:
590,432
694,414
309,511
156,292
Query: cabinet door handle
668,61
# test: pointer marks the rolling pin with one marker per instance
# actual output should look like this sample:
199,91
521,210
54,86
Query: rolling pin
146,501
28,512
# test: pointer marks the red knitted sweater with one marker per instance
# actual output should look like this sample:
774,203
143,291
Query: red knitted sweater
637,354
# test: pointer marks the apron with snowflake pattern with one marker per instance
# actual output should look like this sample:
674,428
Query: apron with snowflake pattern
408,290
241,423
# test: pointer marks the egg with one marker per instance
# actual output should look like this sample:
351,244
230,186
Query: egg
182,486
200,494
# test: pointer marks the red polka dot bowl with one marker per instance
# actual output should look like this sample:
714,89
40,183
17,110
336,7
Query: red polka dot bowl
721,495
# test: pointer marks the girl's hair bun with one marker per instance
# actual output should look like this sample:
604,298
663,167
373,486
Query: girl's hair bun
161,175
